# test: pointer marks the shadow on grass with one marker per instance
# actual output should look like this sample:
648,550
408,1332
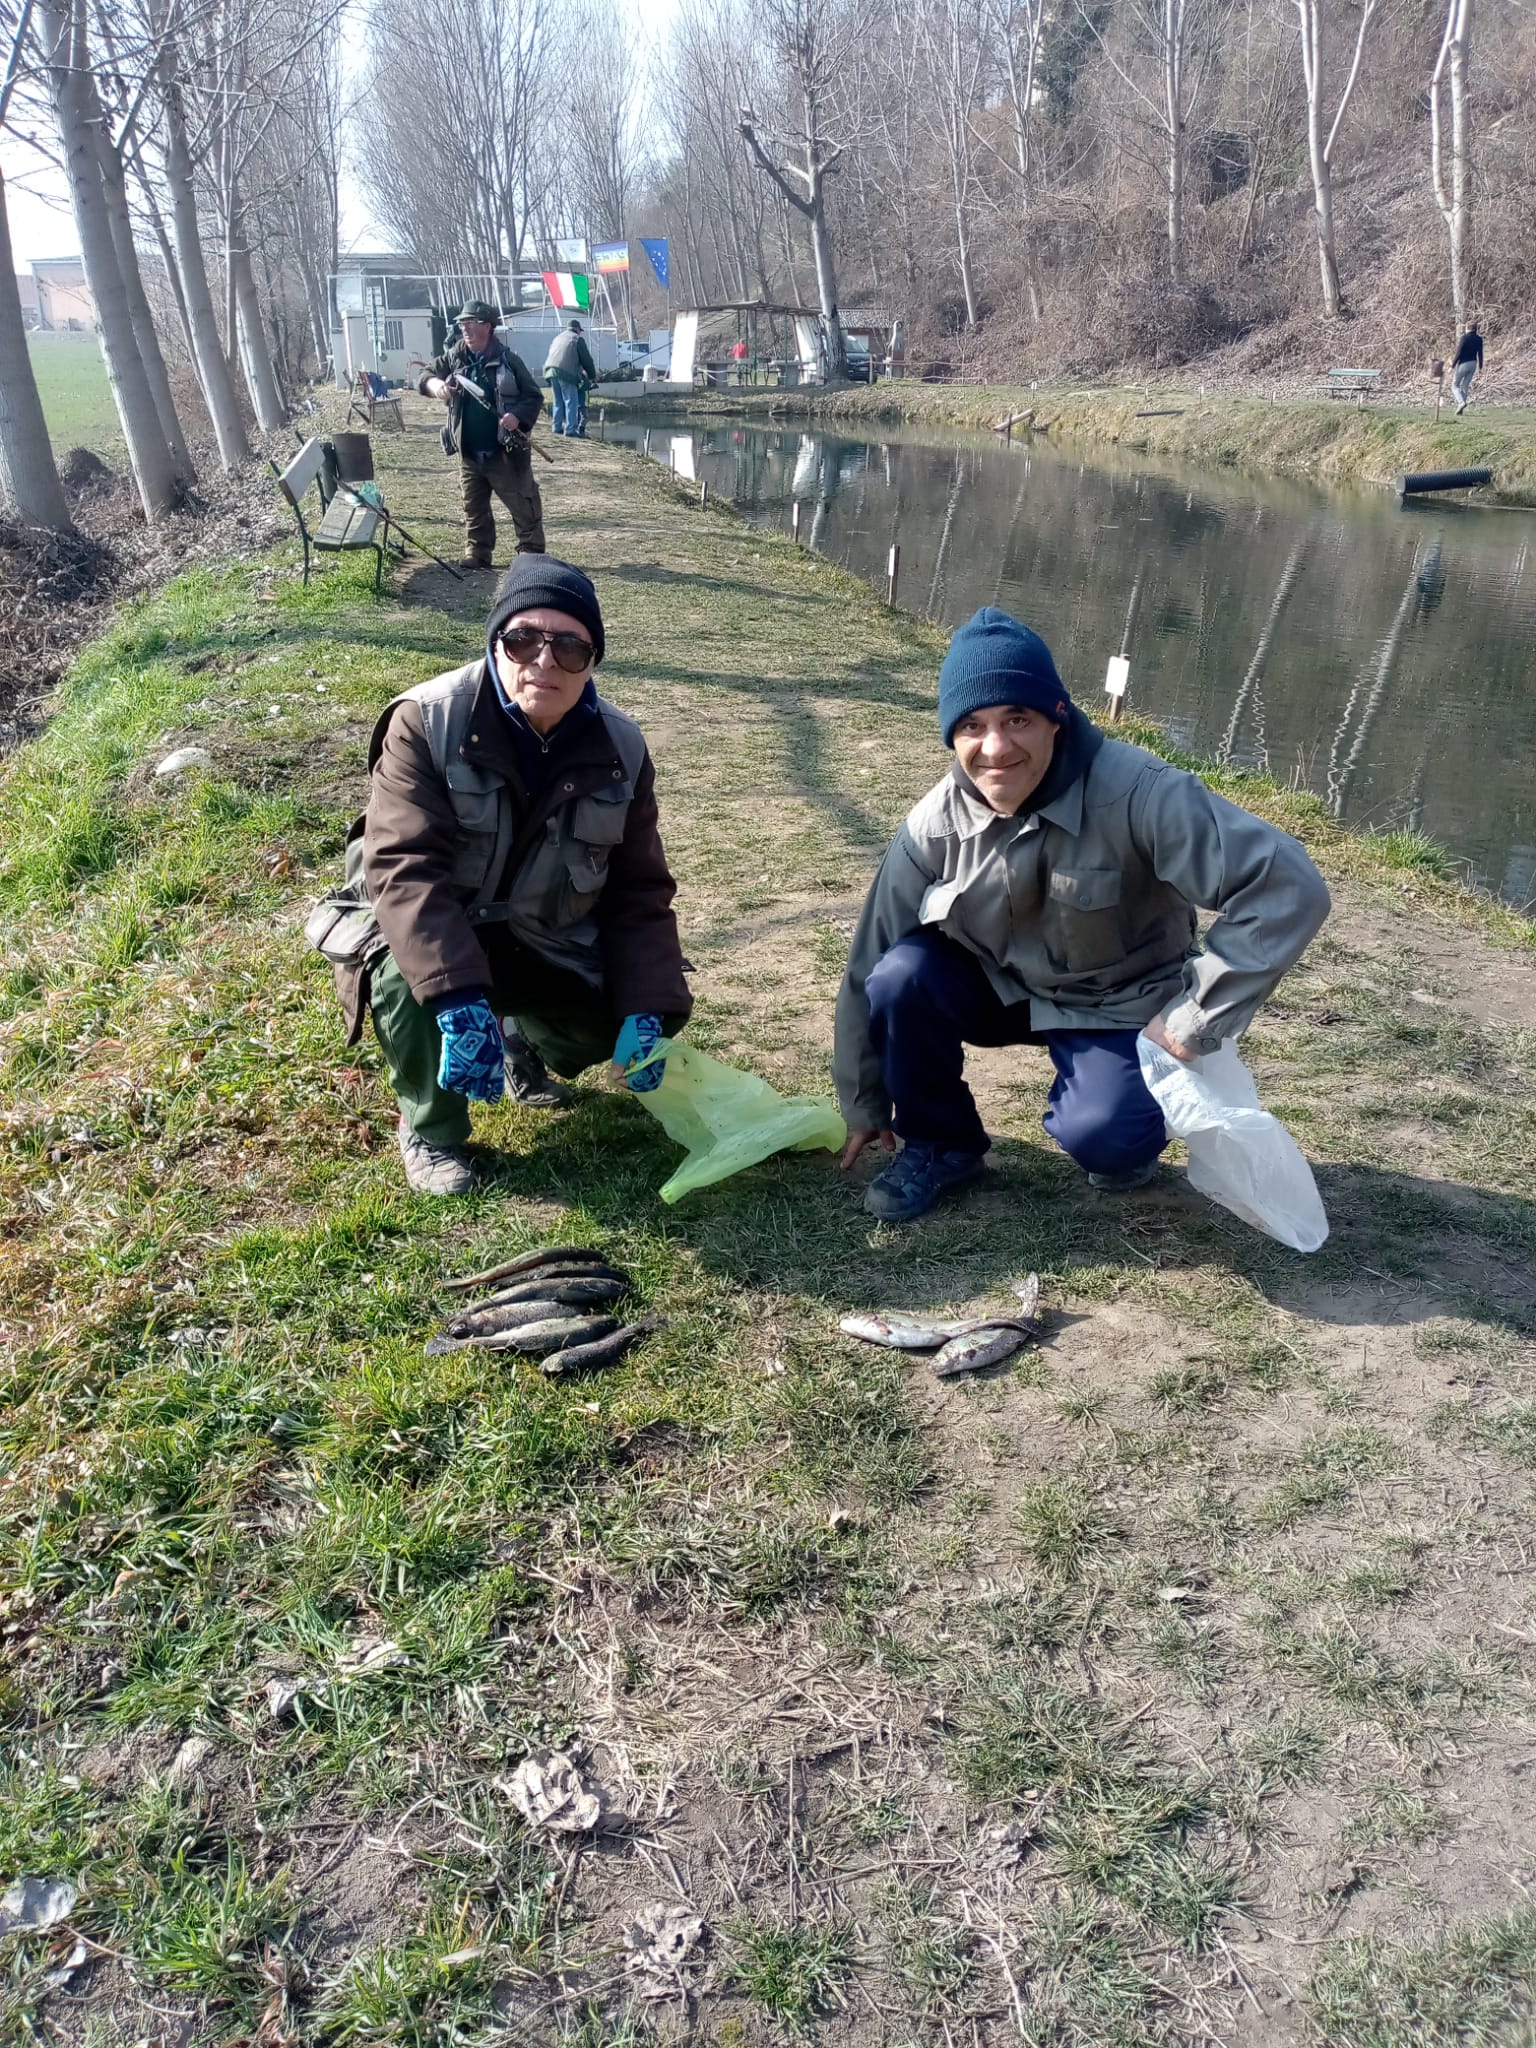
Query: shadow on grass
796,1225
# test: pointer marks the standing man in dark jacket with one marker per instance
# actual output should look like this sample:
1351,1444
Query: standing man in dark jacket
570,369
1469,360
491,432
516,875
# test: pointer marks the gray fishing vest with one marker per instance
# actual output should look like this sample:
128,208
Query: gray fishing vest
550,903
564,354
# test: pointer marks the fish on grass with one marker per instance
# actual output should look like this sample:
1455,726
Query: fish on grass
902,1332
605,1351
571,1284
533,1339
530,1262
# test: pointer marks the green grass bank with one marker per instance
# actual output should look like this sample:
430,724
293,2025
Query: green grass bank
1172,1685
1333,441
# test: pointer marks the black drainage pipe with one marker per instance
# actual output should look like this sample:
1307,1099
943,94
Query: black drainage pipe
1442,480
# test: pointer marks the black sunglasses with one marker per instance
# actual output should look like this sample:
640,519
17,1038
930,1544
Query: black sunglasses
572,651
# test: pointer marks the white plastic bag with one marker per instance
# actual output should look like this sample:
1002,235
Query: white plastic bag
1239,1154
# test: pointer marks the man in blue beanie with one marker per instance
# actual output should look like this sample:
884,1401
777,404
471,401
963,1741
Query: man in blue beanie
508,901
1045,893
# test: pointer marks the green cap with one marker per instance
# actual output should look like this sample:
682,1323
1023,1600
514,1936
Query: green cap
477,309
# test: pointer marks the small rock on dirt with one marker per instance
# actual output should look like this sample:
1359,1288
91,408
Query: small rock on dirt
184,758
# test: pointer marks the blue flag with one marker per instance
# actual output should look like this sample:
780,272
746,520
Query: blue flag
655,246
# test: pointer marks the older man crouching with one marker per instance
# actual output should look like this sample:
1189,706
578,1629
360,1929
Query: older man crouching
521,905
1045,893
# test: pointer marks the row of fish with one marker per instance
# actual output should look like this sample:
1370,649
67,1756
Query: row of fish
550,1310
958,1346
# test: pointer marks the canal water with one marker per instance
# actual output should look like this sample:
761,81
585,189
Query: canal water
1382,656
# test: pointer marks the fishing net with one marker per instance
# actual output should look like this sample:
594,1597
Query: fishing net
727,1120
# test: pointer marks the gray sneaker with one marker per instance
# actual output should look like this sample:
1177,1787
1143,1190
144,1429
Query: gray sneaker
434,1169
529,1081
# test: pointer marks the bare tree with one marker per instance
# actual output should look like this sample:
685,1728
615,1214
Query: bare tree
29,477
813,41
1183,37
952,37
602,142
1313,14
66,63
180,147
1455,58
458,206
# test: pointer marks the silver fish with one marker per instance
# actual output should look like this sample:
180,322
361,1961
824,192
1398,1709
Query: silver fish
571,1285
506,1315
528,1262
604,1350
902,1332
987,1346
538,1339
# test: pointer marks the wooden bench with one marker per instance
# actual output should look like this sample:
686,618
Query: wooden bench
1356,384
347,521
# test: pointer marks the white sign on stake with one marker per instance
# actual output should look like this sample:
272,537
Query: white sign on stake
1118,679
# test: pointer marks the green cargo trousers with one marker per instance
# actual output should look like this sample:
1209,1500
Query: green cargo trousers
512,480
568,1037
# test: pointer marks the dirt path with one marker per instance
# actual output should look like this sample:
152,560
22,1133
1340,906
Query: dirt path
1172,1684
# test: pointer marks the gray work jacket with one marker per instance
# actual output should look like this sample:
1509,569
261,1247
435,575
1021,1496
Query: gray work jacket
1086,908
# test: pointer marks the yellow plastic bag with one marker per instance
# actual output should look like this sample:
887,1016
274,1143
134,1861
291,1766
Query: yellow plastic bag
728,1120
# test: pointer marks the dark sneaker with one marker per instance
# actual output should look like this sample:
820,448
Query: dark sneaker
916,1178
1122,1183
475,562
434,1169
529,1081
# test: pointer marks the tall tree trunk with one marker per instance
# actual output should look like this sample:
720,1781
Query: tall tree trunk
254,353
1455,56
826,288
1173,93
29,479
78,113
114,188
212,365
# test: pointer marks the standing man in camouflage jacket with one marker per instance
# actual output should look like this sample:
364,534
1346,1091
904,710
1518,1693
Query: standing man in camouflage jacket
491,432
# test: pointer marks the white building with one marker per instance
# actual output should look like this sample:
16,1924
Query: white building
393,319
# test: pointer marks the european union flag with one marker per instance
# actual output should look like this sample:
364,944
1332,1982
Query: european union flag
655,246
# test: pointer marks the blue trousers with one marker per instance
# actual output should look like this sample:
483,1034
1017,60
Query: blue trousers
570,405
929,999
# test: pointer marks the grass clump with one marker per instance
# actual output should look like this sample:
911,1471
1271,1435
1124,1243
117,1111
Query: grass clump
1065,1524
792,1972
1473,1984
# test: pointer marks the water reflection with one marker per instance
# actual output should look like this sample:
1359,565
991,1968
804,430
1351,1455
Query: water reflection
1383,656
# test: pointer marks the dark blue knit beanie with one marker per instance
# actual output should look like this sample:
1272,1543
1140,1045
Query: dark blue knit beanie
994,660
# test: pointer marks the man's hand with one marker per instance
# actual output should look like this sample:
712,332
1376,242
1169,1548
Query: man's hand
438,387
1158,1032
857,1140
511,424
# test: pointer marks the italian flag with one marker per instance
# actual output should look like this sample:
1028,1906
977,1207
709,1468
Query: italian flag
568,288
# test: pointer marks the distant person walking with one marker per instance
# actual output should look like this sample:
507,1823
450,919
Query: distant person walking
1469,360
570,368
739,358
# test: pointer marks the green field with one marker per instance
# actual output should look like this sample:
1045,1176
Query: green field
72,383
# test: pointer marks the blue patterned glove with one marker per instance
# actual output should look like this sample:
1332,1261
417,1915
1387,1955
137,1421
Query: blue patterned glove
637,1040
474,1058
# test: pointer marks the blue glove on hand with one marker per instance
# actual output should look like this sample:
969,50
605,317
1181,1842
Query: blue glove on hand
473,1061
637,1040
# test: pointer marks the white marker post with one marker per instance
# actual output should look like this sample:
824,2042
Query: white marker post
1116,682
